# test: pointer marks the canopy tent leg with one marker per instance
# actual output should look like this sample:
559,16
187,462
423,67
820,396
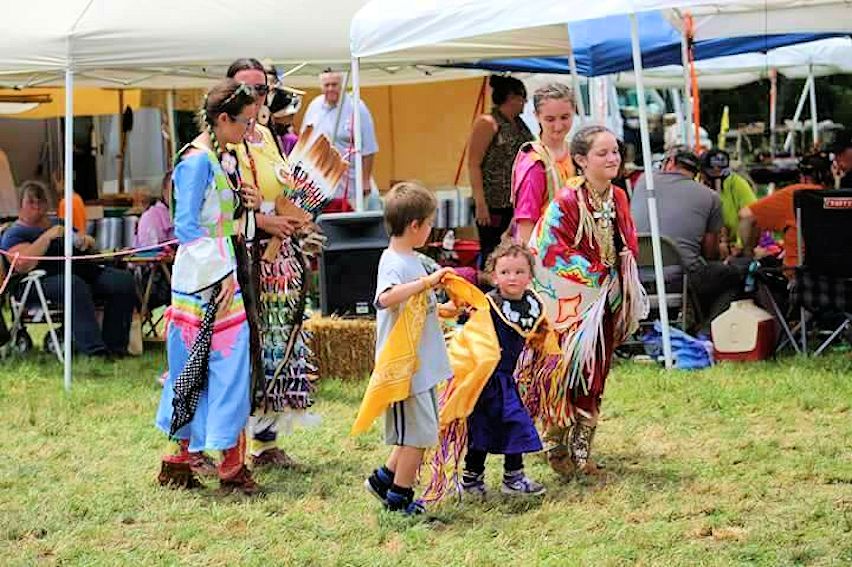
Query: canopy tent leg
789,146
356,126
170,122
575,78
687,89
773,108
649,184
69,214
680,115
814,121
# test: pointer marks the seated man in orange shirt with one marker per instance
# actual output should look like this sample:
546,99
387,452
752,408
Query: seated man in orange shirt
78,212
775,211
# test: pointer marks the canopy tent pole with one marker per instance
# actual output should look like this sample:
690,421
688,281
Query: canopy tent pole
356,126
617,123
592,86
773,108
680,114
649,184
687,88
69,214
789,146
575,78
814,122
170,122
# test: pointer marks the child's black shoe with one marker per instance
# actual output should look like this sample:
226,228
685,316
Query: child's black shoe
404,503
379,483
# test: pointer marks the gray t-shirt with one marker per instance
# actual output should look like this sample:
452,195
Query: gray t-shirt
687,211
434,364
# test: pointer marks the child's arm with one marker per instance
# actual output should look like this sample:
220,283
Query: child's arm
400,292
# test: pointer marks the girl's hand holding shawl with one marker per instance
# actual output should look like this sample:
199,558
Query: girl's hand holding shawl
226,294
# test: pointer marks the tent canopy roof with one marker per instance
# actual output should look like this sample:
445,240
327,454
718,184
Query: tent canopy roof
465,30
162,43
824,57
602,47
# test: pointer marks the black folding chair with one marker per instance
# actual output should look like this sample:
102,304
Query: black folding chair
676,277
823,285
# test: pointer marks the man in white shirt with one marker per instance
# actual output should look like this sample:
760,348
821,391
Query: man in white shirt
332,114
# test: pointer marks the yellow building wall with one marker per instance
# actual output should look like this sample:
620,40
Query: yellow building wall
87,102
421,129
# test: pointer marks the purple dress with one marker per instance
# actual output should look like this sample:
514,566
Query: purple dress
500,424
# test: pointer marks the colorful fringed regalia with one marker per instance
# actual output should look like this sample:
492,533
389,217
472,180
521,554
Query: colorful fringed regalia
483,355
205,402
585,246
298,188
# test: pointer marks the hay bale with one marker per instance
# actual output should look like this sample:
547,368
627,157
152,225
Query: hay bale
343,348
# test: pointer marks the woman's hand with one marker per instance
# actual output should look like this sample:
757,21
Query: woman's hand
278,225
226,294
86,242
483,215
251,196
54,232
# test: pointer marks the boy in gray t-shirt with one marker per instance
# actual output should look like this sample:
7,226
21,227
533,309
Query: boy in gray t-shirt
411,425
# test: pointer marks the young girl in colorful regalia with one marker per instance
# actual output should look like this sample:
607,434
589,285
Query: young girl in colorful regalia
543,166
481,411
585,270
205,401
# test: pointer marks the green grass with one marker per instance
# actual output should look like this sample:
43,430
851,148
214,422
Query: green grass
741,464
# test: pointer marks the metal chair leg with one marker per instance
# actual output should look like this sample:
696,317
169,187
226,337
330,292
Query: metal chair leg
50,328
831,337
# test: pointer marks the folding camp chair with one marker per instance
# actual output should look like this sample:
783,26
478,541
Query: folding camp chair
25,288
152,275
772,293
823,285
677,291
676,277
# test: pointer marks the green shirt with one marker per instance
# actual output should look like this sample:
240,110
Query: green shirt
736,194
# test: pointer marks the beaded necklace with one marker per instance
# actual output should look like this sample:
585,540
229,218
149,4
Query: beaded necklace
597,224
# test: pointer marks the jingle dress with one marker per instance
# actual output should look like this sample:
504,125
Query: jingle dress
204,205
283,284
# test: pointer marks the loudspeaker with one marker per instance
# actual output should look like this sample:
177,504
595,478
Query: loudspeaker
349,264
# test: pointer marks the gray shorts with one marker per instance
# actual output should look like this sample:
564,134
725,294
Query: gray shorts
413,422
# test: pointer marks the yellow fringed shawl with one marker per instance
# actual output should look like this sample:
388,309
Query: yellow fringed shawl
474,352
396,364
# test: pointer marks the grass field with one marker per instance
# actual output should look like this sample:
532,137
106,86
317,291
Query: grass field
735,465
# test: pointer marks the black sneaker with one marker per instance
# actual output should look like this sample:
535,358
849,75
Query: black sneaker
404,504
377,487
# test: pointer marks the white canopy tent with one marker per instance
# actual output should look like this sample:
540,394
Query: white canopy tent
158,42
820,58
174,45
832,56
455,30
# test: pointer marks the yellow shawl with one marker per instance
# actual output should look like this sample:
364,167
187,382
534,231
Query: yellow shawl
474,354
395,365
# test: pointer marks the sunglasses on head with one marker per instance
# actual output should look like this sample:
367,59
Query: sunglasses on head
241,89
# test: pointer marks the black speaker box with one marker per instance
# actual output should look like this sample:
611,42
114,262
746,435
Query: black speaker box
350,261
